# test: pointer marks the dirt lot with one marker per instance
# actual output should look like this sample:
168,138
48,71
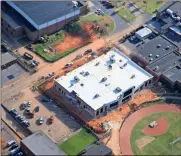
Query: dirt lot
63,125
78,39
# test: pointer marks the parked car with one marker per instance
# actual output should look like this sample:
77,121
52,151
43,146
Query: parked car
37,108
19,154
51,119
23,106
51,74
99,12
19,118
14,112
36,62
109,6
25,123
79,56
27,110
46,100
88,51
28,56
41,120
68,64
10,143
33,64
30,114
14,146
14,151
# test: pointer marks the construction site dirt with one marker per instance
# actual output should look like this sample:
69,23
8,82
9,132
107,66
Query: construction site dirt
78,39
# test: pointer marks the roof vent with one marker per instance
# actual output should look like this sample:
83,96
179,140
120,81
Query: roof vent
159,45
163,49
104,79
110,67
112,60
150,55
133,76
76,79
82,72
168,47
157,56
82,84
120,60
118,89
107,84
156,68
96,96
113,55
97,64
125,65
86,73
150,59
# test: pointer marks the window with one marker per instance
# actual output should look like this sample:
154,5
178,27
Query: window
8,26
146,84
101,110
128,92
97,113
114,104
106,108
59,89
55,85
125,99
150,82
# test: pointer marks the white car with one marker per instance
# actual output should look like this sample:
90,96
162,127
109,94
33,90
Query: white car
68,64
41,120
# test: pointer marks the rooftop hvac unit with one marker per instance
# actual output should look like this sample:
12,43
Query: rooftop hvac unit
96,96
150,59
170,12
150,55
76,79
118,89
97,64
112,60
159,45
157,56
167,48
86,73
133,76
104,79
156,68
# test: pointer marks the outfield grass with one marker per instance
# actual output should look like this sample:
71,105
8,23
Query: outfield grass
160,146
77,143
126,15
150,6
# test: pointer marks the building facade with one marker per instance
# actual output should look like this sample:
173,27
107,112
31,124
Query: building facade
103,84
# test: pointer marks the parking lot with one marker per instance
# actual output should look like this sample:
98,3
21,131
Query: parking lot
6,136
63,124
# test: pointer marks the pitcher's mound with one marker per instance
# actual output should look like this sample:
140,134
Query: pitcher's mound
160,128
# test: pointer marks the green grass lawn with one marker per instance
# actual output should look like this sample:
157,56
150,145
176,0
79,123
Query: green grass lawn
150,6
91,17
159,146
77,142
51,57
126,15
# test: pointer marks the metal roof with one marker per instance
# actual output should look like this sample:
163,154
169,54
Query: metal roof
40,144
6,58
143,32
44,13
166,63
155,49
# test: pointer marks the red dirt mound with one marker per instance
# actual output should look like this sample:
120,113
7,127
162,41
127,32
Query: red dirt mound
160,128
76,40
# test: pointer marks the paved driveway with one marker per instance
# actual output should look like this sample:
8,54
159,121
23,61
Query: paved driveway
120,24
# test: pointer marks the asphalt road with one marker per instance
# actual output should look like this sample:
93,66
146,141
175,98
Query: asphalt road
120,24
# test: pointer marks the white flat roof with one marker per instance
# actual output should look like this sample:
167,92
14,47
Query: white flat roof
143,32
117,77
